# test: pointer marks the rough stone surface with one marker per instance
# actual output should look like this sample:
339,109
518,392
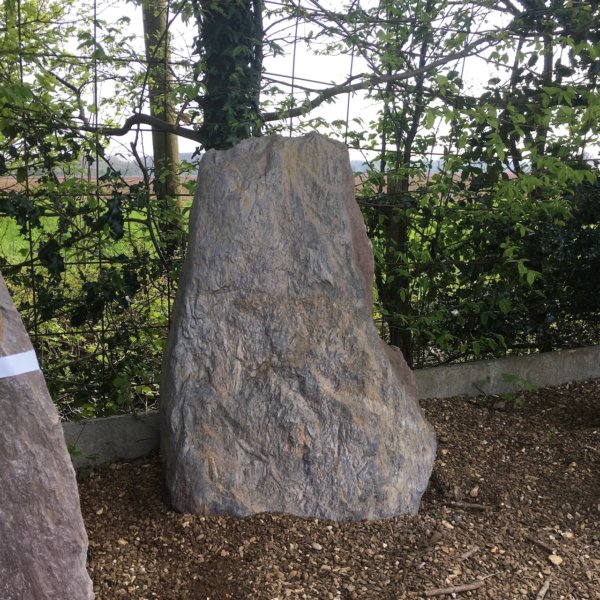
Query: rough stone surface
277,393
43,543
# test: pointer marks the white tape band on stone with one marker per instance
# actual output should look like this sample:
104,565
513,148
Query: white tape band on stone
17,364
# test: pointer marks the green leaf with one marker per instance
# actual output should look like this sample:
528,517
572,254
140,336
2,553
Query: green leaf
10,8
504,304
21,174
531,276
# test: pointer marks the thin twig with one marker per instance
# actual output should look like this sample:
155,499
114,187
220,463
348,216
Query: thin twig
468,505
370,82
465,587
541,544
544,589
470,553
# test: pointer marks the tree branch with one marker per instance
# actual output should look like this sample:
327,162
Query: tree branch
366,82
369,82
143,119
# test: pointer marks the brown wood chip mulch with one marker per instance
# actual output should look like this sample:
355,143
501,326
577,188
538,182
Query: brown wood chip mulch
512,511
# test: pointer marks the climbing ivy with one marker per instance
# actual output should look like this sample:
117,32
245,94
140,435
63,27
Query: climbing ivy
229,70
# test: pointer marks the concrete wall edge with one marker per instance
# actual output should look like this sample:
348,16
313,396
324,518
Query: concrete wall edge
127,437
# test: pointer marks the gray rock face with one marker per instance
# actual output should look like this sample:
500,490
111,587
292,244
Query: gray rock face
43,543
277,393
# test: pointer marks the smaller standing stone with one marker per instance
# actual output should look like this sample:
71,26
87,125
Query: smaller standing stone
43,543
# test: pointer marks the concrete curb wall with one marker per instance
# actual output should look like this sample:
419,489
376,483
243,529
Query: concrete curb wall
126,437
110,439
487,376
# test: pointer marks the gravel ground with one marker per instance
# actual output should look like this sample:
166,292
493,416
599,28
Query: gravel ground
513,511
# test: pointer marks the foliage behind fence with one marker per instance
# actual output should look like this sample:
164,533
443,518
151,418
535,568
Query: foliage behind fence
484,212
93,287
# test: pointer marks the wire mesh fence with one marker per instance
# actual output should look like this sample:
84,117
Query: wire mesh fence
93,229
90,246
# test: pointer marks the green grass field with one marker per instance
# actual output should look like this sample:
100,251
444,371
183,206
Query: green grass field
13,247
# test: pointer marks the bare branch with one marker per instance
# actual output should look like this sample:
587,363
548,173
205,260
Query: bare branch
370,81
143,119
455,589
366,82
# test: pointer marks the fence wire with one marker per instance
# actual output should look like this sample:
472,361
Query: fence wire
90,246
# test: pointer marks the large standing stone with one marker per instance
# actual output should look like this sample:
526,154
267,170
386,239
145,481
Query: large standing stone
277,393
43,543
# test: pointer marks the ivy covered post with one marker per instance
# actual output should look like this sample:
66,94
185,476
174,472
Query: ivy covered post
230,47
